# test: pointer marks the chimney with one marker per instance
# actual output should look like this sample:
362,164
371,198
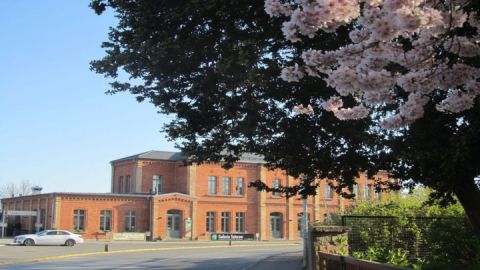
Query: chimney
36,190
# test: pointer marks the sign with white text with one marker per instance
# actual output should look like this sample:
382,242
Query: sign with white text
21,213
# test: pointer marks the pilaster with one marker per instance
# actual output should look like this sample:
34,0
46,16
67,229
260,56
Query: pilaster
153,218
112,179
262,211
195,220
138,177
317,213
192,179
58,210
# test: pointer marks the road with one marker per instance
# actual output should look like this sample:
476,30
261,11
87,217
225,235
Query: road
184,255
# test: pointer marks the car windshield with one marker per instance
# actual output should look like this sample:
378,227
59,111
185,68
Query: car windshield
41,233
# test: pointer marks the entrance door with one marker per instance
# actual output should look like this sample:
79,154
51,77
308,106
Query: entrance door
173,223
300,224
276,225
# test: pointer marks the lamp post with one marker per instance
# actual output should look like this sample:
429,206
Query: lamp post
304,223
305,232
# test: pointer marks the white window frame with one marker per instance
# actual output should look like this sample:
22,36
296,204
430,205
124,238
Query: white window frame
240,188
210,222
105,220
157,184
131,221
225,222
366,191
212,185
328,192
226,185
276,184
240,222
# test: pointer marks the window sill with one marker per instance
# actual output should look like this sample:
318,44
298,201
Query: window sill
226,196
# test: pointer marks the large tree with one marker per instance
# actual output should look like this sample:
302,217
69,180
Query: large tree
215,65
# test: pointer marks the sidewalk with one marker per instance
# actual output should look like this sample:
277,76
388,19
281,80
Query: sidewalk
4,241
285,261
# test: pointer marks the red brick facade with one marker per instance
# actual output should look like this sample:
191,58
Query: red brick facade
188,202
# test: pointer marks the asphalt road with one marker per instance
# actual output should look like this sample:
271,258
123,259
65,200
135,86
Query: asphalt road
179,255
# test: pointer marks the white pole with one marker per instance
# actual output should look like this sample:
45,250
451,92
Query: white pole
305,232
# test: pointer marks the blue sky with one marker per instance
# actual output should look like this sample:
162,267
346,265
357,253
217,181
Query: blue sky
58,128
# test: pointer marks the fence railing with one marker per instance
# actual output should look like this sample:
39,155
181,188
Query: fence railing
336,262
412,235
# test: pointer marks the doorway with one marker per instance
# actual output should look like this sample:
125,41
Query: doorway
276,225
174,218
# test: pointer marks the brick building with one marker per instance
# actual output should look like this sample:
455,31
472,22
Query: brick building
154,192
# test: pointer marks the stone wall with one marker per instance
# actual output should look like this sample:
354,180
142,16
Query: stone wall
327,239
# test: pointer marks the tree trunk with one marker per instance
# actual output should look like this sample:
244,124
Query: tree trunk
469,196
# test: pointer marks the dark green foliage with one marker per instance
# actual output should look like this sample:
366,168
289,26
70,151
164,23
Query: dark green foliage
405,231
215,65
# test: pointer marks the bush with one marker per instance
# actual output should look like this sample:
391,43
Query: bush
406,232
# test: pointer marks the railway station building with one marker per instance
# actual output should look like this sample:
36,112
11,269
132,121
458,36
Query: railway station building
156,195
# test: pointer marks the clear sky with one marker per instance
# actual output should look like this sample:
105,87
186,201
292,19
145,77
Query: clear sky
58,128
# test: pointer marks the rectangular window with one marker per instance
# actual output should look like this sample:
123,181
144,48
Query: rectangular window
157,184
105,220
366,191
356,191
225,221
212,185
210,222
276,184
128,184
121,185
226,185
239,187
378,195
130,222
78,220
240,222
328,192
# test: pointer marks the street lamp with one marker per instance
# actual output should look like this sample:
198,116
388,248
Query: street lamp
304,224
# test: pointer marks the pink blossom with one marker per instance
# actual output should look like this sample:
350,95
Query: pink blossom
300,109
456,101
292,74
357,112
363,70
332,104
275,8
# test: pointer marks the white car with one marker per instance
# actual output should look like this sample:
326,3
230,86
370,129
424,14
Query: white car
49,237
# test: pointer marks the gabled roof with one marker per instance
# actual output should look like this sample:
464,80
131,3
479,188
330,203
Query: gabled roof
176,156
156,155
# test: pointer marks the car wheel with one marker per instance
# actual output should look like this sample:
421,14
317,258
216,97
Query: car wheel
70,243
29,242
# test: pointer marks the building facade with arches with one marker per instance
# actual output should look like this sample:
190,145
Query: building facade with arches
157,194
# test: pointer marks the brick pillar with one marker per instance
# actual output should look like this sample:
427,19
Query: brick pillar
138,178
317,209
192,179
153,218
195,220
58,210
262,212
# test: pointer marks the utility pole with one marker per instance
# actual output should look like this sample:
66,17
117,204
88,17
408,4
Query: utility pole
305,224
305,232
